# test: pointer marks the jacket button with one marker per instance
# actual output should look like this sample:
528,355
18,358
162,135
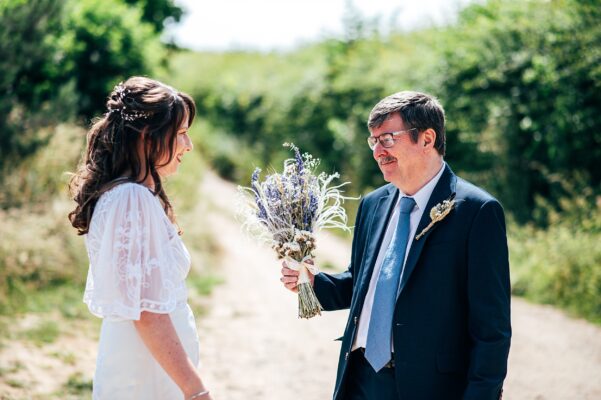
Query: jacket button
346,356
355,319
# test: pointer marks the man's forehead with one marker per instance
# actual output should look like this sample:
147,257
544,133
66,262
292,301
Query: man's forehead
392,122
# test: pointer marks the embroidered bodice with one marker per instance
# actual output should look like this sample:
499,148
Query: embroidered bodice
138,262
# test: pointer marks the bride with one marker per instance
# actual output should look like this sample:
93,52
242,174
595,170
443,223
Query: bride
138,263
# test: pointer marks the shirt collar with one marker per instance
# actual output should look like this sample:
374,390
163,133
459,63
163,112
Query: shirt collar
423,195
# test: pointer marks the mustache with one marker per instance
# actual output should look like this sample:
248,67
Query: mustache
385,159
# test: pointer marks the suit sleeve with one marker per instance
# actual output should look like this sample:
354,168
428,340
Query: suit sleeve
489,297
335,291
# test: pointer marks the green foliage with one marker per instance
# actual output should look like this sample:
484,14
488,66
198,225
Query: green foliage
524,82
560,265
104,42
79,385
37,179
158,12
38,247
318,97
26,50
38,251
59,59
519,80
25,27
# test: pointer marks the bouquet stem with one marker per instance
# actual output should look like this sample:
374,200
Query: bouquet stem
308,304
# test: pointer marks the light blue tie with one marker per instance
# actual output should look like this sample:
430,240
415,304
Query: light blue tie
379,334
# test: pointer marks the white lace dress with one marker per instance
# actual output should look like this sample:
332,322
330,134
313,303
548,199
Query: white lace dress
138,263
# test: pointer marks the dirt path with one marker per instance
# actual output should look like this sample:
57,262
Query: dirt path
254,347
252,344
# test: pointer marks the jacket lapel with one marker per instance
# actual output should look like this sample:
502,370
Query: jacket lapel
442,191
377,228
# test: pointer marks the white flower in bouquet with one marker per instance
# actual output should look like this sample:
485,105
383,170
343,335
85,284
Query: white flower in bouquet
285,209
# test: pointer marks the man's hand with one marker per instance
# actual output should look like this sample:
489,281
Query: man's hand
290,277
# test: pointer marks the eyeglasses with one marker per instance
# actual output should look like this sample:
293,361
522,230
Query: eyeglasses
386,139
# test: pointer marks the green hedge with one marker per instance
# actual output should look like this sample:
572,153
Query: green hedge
561,264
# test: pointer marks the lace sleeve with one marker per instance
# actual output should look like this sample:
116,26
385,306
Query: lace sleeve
131,272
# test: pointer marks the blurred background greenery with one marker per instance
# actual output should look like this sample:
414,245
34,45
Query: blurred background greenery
520,81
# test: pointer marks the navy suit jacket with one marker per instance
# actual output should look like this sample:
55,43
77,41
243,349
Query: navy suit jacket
451,327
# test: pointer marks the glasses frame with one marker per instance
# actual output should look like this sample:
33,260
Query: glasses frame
388,137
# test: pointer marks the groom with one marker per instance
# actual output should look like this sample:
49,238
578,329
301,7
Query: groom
428,282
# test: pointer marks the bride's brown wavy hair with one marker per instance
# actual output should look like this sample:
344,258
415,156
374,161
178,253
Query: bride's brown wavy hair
139,109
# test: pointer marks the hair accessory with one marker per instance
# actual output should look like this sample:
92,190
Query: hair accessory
133,115
127,115
121,91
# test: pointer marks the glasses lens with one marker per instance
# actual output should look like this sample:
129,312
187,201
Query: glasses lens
387,140
372,141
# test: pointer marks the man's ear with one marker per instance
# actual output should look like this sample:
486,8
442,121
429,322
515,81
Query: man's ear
429,137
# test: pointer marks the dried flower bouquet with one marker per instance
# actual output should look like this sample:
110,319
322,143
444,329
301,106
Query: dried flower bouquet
285,209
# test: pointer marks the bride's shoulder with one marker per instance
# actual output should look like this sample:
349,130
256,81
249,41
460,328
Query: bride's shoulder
125,195
117,206
127,190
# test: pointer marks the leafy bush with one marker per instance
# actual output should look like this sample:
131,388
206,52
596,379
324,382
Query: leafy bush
520,82
39,249
35,180
158,12
25,51
561,264
59,59
102,43
523,84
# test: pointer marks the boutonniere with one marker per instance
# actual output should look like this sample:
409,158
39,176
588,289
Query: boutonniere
438,213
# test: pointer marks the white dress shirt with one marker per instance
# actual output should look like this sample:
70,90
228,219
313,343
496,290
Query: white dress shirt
421,201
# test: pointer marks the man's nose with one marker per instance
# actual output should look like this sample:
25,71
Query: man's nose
379,149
